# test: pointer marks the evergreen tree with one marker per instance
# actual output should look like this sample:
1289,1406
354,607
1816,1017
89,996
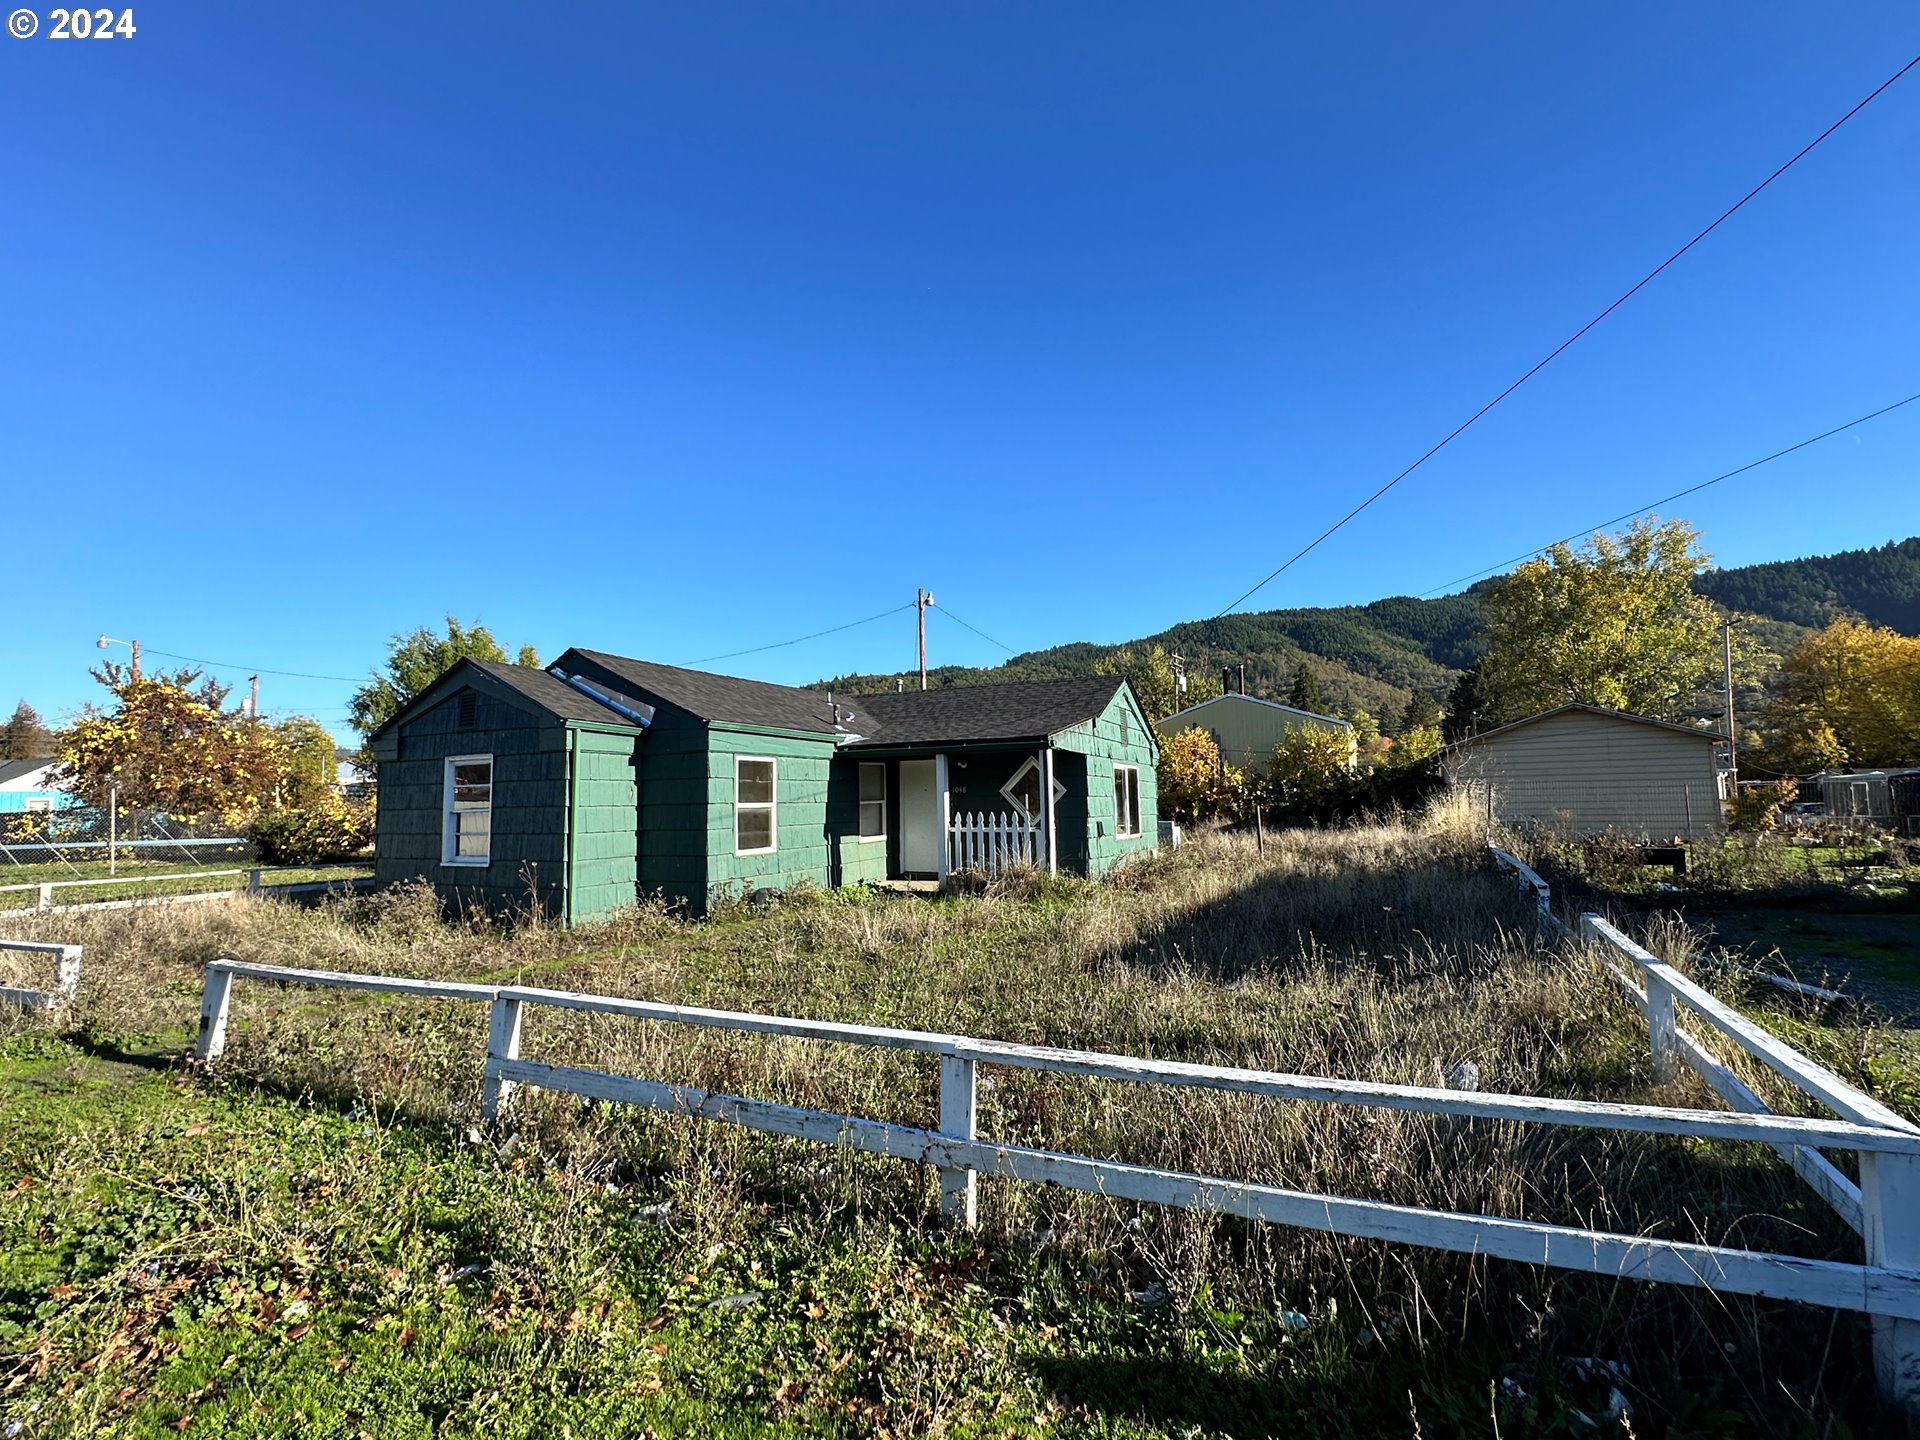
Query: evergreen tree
1305,694
25,737
1423,711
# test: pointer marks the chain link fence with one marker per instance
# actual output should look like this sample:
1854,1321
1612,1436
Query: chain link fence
82,834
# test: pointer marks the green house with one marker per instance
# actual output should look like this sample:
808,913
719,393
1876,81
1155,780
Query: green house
582,787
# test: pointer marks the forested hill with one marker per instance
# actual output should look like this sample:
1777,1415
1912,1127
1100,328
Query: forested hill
1880,586
1374,656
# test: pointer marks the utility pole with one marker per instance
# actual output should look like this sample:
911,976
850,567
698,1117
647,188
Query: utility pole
253,697
132,645
1179,677
1726,660
921,600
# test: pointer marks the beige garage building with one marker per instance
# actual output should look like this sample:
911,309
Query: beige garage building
1245,727
1586,771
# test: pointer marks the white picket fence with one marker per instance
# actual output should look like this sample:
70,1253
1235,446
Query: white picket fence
66,975
1886,1285
993,842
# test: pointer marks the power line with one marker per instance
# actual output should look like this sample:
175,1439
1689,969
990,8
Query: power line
256,669
1678,494
976,630
798,639
1568,342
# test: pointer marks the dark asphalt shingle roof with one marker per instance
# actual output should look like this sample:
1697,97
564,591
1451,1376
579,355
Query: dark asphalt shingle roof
725,698
952,715
554,696
14,769
1016,710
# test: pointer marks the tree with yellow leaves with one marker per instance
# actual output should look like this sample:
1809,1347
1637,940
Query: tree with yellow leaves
1193,784
168,744
1848,694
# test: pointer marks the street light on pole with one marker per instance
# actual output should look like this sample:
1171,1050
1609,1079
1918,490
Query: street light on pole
133,645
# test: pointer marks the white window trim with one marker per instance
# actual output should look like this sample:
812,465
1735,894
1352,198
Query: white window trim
449,840
1007,790
772,807
881,838
1139,826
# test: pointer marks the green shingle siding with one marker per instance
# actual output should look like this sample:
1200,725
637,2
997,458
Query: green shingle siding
605,836
528,850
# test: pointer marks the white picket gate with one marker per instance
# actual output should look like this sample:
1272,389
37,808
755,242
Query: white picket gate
992,842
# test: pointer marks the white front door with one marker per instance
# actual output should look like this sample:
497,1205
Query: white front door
919,819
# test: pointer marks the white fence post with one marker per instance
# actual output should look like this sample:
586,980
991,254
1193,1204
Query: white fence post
503,1043
66,971
1890,1206
959,1187
1662,1030
216,995
46,897
253,882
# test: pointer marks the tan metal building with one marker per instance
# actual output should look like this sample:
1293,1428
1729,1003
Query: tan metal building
1245,727
1582,771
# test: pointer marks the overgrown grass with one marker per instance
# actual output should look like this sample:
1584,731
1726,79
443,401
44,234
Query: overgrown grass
342,1249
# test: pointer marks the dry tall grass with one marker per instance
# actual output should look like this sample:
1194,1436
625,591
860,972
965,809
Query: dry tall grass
1381,953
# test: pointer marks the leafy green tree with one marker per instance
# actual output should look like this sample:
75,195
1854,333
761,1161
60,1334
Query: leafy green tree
1305,694
415,661
1615,624
25,737
1311,777
1151,674
309,762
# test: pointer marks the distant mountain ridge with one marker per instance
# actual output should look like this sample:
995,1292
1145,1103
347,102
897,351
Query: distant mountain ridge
1374,656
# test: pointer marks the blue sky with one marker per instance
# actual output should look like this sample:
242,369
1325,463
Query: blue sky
675,329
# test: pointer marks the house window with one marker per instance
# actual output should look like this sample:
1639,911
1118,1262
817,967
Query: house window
873,802
38,805
753,805
1126,800
1023,790
467,838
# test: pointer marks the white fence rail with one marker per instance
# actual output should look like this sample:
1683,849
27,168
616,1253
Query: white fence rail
1884,1208
255,884
1886,1286
66,975
993,842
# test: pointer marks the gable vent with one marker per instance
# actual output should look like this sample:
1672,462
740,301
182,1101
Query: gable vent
469,706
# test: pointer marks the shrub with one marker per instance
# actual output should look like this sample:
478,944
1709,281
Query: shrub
330,829
1754,808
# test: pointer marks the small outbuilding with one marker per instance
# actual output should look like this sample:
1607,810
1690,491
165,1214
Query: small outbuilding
25,786
1246,728
1874,796
601,779
1580,770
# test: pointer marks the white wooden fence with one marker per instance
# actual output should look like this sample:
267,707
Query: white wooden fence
993,841
254,885
1886,1285
66,975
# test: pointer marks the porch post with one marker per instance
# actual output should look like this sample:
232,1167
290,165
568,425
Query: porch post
946,811
1046,808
